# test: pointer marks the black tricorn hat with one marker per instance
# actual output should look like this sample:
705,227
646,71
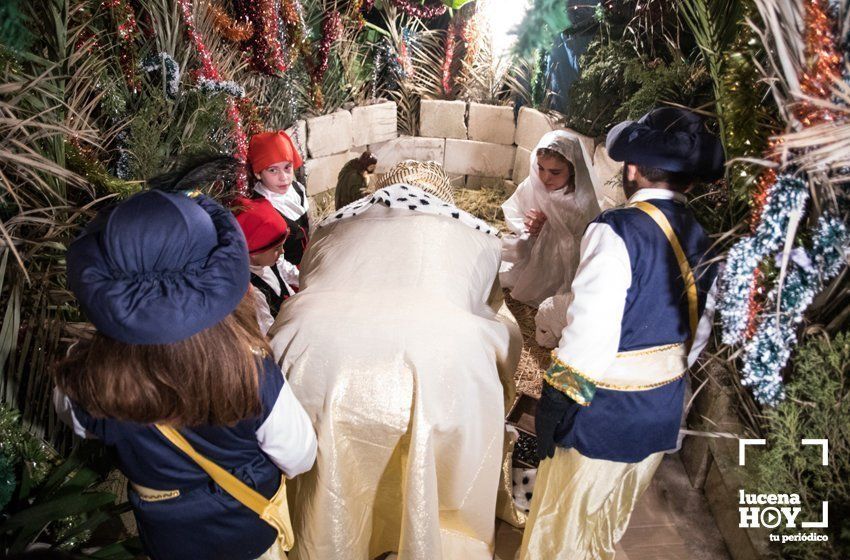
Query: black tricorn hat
671,139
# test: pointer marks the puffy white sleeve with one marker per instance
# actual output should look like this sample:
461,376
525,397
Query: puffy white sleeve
287,435
65,412
704,325
516,206
288,271
591,338
264,313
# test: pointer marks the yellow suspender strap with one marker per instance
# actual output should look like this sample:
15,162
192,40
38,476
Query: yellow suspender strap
243,493
685,267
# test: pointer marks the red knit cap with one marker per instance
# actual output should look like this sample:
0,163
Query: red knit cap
267,148
263,226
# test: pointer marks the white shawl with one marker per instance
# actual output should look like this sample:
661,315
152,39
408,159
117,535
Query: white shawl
535,268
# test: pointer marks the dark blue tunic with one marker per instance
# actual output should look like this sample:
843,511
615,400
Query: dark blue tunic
204,522
628,426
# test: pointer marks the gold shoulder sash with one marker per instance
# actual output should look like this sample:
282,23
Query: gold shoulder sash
684,266
274,512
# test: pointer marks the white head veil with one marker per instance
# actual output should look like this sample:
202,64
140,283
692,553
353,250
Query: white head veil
568,145
537,268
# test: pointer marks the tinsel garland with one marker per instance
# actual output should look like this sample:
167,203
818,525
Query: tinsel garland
164,62
448,58
296,30
767,323
416,9
267,51
229,28
787,195
209,74
404,58
212,87
825,66
471,36
769,349
331,32
127,28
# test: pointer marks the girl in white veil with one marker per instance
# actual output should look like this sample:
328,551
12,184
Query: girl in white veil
547,215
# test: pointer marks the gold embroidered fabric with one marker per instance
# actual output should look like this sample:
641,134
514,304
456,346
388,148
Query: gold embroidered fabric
399,361
581,506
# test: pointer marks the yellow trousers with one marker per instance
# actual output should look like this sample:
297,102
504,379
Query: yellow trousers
581,507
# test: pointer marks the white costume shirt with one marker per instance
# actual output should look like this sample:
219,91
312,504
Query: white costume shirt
535,268
289,273
289,204
591,336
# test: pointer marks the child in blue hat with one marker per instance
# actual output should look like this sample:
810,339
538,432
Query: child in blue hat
641,312
164,279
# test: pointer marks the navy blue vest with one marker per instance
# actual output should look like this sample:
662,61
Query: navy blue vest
628,426
204,521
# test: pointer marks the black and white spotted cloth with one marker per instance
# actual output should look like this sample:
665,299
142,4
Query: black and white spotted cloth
409,197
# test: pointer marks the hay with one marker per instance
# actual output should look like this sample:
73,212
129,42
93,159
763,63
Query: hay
535,359
485,203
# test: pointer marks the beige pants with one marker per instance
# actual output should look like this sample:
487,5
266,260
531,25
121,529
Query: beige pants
581,507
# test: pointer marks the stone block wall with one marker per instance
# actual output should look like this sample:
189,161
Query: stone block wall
477,144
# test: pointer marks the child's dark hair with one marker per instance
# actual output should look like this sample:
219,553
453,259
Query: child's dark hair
210,378
675,179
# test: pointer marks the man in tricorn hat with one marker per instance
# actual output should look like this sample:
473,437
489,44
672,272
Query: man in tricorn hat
640,316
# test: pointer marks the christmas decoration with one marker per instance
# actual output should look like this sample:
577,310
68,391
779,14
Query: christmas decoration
824,68
416,9
331,31
229,28
448,58
127,28
296,30
212,87
786,197
164,63
808,272
209,79
267,49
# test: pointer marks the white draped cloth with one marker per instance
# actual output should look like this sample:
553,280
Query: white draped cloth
535,268
395,351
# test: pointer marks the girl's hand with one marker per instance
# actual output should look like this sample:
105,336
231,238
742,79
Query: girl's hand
534,220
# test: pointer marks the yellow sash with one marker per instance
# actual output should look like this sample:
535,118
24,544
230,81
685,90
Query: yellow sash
275,512
685,267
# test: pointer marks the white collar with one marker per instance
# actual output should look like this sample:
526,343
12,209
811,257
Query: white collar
658,194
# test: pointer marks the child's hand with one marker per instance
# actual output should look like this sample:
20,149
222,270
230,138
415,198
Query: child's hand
534,220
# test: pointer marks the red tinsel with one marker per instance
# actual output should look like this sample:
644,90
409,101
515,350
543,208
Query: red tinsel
421,11
755,304
824,63
127,28
331,32
267,52
763,184
210,72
